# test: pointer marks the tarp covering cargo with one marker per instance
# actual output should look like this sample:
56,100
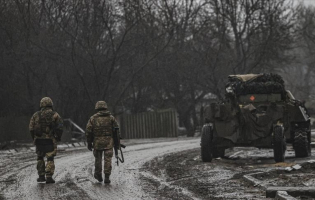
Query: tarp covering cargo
255,123
258,124
255,84
245,77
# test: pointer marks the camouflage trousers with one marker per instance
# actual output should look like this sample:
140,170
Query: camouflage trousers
108,154
49,168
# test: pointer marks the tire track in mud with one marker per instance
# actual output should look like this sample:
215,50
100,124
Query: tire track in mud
74,174
183,175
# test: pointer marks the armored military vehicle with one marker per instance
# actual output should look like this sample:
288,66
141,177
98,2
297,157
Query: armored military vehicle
257,112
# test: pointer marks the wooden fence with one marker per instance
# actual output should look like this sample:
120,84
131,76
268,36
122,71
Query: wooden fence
149,125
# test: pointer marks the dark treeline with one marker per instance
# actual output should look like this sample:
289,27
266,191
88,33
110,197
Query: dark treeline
141,55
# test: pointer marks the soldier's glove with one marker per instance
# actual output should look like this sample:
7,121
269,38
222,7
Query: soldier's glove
90,146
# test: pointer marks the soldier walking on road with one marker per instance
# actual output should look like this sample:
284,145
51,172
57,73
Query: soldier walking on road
46,127
99,134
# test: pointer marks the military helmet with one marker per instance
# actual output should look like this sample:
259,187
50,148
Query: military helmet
100,105
46,102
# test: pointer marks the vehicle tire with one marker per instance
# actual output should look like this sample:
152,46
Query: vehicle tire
301,145
218,152
206,143
279,144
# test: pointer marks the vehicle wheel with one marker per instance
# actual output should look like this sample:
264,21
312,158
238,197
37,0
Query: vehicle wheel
279,144
218,152
301,145
206,143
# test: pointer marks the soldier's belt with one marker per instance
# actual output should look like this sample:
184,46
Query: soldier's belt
106,135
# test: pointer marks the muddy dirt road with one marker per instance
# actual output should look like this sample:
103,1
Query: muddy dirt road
74,171
184,176
159,170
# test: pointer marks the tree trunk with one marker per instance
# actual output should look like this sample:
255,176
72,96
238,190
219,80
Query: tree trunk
187,124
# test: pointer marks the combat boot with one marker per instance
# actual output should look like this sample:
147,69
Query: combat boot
41,179
98,177
49,180
107,178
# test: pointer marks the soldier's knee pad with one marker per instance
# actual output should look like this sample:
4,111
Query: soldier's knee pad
40,158
50,159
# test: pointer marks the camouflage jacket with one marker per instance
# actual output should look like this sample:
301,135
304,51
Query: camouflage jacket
99,130
46,123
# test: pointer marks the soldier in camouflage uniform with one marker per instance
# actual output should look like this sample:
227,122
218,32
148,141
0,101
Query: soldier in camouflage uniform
99,134
46,125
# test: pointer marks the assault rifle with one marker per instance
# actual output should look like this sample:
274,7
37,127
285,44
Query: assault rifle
54,132
117,146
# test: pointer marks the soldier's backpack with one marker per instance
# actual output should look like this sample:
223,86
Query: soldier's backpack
46,125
